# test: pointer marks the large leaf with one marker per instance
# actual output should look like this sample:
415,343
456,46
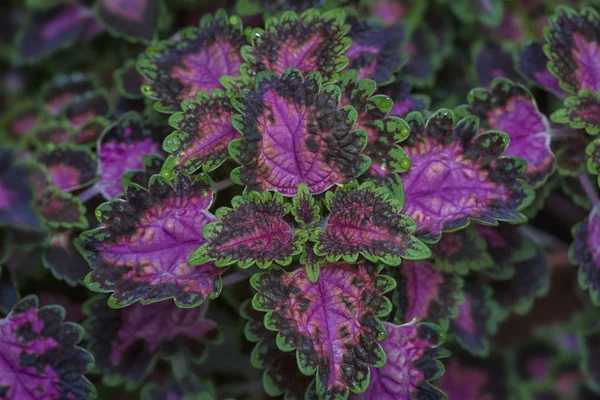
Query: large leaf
141,249
38,355
333,323
295,132
457,176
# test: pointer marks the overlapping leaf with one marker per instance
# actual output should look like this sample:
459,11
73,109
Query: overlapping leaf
581,111
461,252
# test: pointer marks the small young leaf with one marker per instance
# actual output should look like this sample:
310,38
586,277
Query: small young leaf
457,176
412,354
340,349
295,132
136,20
61,209
255,231
126,343
70,167
176,70
39,357
533,63
461,252
581,111
309,42
585,251
141,249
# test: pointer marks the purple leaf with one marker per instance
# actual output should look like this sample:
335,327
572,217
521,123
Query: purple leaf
511,108
364,220
569,152
122,147
39,357
412,354
129,81
461,252
375,49
581,112
305,209
204,131
533,360
136,20
200,60
85,107
141,248
506,246
254,231
332,323
457,176
282,375
63,259
62,90
491,62
70,167
61,209
572,47
295,130
533,63
309,42
585,251
126,343
426,293
20,120
477,318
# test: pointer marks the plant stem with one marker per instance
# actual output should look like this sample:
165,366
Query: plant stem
234,278
89,193
224,184
589,190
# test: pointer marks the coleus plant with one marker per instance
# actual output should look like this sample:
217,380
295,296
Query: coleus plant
324,176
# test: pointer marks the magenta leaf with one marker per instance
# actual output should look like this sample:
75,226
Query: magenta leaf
581,111
511,108
39,356
364,220
294,131
141,248
492,62
533,63
87,106
61,209
16,193
62,90
458,176
384,132
254,231
305,209
282,375
187,387
129,81
375,49
309,42
62,258
413,355
426,293
126,343
122,147
585,252
70,167
136,20
333,323
461,252
203,59
477,318
572,47
204,131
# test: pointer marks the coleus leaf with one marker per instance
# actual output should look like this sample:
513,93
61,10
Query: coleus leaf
203,59
477,318
511,108
571,45
52,132
252,7
129,81
589,337
61,209
487,12
62,258
254,231
122,147
450,163
461,252
364,220
375,49
70,167
16,193
338,350
151,165
305,209
426,293
506,246
86,106
593,153
141,248
62,90
584,251
384,132
581,111
469,377
9,295
309,42
293,132
404,102
533,360
90,131
282,375
126,343
187,388
136,20
413,355
492,61
533,62
204,131
39,356
20,120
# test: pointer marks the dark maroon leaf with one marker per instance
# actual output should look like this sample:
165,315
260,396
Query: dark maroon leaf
461,252
63,259
585,252
62,90
136,20
70,167
87,106
533,63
